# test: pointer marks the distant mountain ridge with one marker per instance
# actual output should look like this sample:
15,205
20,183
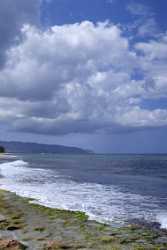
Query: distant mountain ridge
28,147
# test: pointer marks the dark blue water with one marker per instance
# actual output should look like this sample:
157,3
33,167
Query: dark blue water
112,188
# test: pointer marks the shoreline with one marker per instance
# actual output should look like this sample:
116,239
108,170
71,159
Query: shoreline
26,225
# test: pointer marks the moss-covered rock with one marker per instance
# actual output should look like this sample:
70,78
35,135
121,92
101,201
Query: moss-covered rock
46,228
57,245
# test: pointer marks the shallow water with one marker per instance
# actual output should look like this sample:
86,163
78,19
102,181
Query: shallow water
109,188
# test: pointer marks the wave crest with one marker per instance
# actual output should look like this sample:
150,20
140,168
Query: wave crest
17,163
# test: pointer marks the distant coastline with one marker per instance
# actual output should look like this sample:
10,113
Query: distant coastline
2,150
27,147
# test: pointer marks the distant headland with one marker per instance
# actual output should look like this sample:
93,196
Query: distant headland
25,147
2,150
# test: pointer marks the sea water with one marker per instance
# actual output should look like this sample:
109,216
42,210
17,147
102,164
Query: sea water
109,188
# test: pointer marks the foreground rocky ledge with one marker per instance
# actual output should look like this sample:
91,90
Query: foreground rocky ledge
24,225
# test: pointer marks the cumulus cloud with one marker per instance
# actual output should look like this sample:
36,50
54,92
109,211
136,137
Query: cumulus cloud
153,61
81,77
66,76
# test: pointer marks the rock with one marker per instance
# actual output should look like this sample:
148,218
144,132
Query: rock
108,239
161,240
2,218
57,245
146,224
13,228
143,242
11,245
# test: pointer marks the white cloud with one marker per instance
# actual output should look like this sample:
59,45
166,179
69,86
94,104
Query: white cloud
110,1
80,78
149,27
145,24
153,62
139,9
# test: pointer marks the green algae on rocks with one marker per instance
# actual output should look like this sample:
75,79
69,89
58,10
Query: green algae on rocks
42,228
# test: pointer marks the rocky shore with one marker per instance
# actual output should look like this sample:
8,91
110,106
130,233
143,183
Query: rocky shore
25,225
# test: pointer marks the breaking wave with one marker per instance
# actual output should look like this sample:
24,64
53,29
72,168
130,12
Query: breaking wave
105,203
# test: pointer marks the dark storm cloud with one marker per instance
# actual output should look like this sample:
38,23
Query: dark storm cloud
64,127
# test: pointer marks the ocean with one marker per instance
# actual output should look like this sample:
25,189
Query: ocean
114,189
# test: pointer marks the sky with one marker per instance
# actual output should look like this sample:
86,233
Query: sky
91,74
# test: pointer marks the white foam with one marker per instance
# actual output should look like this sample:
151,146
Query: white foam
162,219
18,174
17,163
13,169
101,202
7,156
